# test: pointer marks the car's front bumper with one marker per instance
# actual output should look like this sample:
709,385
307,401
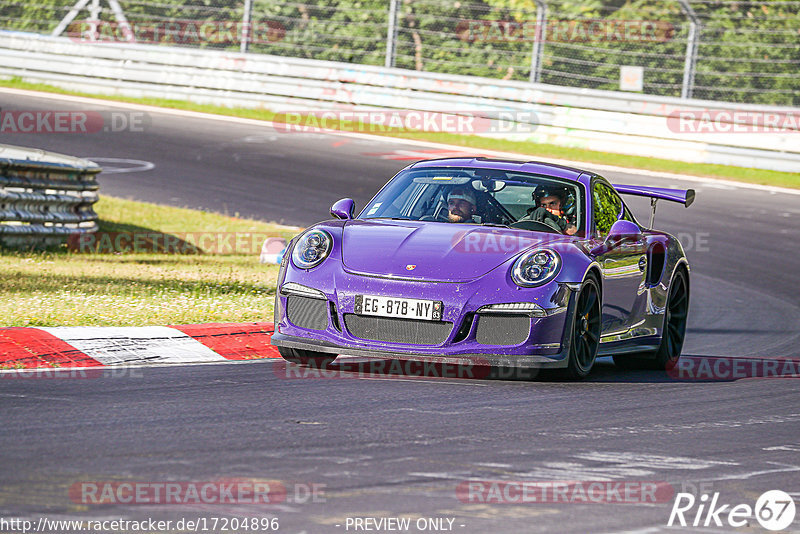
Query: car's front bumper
473,359
541,341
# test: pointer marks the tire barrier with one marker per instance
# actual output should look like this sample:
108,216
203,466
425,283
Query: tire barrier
45,197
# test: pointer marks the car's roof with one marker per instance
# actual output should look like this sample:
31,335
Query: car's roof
534,167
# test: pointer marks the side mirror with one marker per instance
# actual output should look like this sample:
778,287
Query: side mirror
621,231
343,209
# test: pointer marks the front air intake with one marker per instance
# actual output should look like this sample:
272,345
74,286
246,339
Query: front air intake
307,313
391,330
503,329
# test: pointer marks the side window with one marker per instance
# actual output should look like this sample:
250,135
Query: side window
422,200
606,207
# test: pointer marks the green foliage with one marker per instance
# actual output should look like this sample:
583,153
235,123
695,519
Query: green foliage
350,31
748,50
39,16
750,53
606,208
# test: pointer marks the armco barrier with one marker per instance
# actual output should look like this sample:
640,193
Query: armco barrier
597,120
44,197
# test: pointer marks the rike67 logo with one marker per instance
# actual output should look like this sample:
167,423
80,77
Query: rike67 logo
774,510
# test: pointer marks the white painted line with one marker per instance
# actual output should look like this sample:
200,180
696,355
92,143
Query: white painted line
146,344
793,448
788,468
652,461
112,165
427,144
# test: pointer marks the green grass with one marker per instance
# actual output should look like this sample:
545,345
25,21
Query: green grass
528,149
65,288
126,215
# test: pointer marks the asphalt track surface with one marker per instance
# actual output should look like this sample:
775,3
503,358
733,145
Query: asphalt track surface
398,446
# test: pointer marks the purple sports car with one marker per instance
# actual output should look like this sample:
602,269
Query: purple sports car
506,263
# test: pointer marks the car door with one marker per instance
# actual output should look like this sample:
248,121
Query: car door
623,262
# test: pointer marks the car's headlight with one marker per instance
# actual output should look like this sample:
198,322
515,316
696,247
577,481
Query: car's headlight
312,248
536,267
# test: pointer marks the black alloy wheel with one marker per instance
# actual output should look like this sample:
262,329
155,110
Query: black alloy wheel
585,338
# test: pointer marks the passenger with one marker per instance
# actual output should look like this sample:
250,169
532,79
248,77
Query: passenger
461,205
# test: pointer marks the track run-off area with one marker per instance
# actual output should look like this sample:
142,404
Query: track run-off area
346,445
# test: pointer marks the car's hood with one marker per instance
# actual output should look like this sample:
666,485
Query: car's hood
430,250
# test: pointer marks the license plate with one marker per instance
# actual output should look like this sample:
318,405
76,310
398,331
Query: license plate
428,310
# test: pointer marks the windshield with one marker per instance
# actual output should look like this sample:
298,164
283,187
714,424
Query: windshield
481,196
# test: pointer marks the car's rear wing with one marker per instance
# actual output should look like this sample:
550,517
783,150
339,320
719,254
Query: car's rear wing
683,196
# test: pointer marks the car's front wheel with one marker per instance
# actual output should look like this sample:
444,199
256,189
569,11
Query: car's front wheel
585,335
309,358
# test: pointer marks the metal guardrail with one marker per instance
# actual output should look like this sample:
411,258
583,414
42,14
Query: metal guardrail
606,121
45,197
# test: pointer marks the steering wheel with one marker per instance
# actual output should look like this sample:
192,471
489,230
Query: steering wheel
442,217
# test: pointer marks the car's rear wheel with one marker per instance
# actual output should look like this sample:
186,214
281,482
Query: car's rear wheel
309,358
585,335
674,331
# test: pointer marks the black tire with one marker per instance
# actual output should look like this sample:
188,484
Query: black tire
309,358
585,332
673,332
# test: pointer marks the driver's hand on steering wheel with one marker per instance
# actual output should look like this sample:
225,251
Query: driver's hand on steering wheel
549,218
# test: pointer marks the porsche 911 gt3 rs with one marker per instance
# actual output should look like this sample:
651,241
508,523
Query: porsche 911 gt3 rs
515,264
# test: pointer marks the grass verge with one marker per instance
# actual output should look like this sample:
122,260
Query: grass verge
528,149
66,288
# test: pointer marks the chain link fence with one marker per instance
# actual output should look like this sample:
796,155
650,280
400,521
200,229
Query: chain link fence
728,50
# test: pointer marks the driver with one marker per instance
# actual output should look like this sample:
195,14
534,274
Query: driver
548,210
461,205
